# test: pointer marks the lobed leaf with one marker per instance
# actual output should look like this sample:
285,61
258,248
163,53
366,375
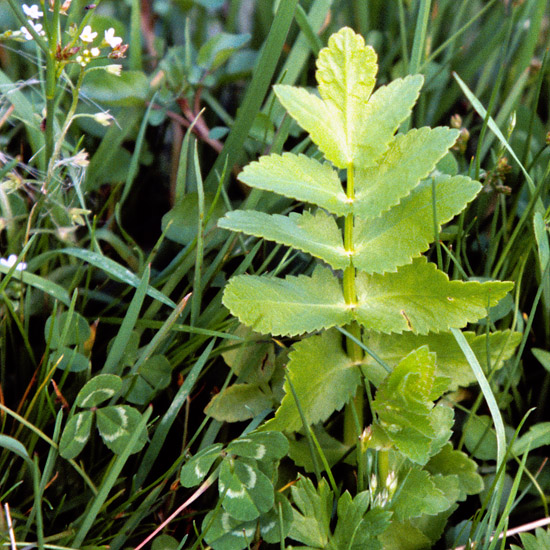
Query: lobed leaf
409,158
288,306
317,234
408,228
323,376
420,298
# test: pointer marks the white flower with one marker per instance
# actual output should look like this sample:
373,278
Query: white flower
111,39
105,119
95,52
32,11
36,26
114,69
10,262
87,34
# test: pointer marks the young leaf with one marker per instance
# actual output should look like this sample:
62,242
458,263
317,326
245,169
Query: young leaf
323,376
298,177
404,404
289,306
410,158
318,234
98,390
116,425
408,228
76,434
248,492
420,298
311,524
450,360
198,466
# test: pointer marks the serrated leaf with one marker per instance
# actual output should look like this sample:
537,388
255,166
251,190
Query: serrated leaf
420,298
116,425
418,495
450,360
238,402
321,120
98,390
404,404
298,177
288,306
311,523
410,158
346,73
76,434
356,528
324,378
248,492
408,228
405,536
198,466
268,445
449,462
317,234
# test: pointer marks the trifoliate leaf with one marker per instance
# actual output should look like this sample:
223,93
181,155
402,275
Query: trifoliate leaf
116,424
408,228
298,177
76,434
317,234
320,119
449,462
410,158
198,466
248,492
260,446
154,375
324,377
450,360
289,306
98,390
420,298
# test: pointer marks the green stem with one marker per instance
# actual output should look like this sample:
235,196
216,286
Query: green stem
352,419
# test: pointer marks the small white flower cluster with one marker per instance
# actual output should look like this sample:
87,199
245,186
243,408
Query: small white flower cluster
10,262
115,42
32,12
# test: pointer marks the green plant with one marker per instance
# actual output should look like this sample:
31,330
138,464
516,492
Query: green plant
372,230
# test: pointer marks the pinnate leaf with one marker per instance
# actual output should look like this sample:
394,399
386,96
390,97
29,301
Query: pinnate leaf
410,158
408,228
289,306
298,177
323,376
420,298
318,234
